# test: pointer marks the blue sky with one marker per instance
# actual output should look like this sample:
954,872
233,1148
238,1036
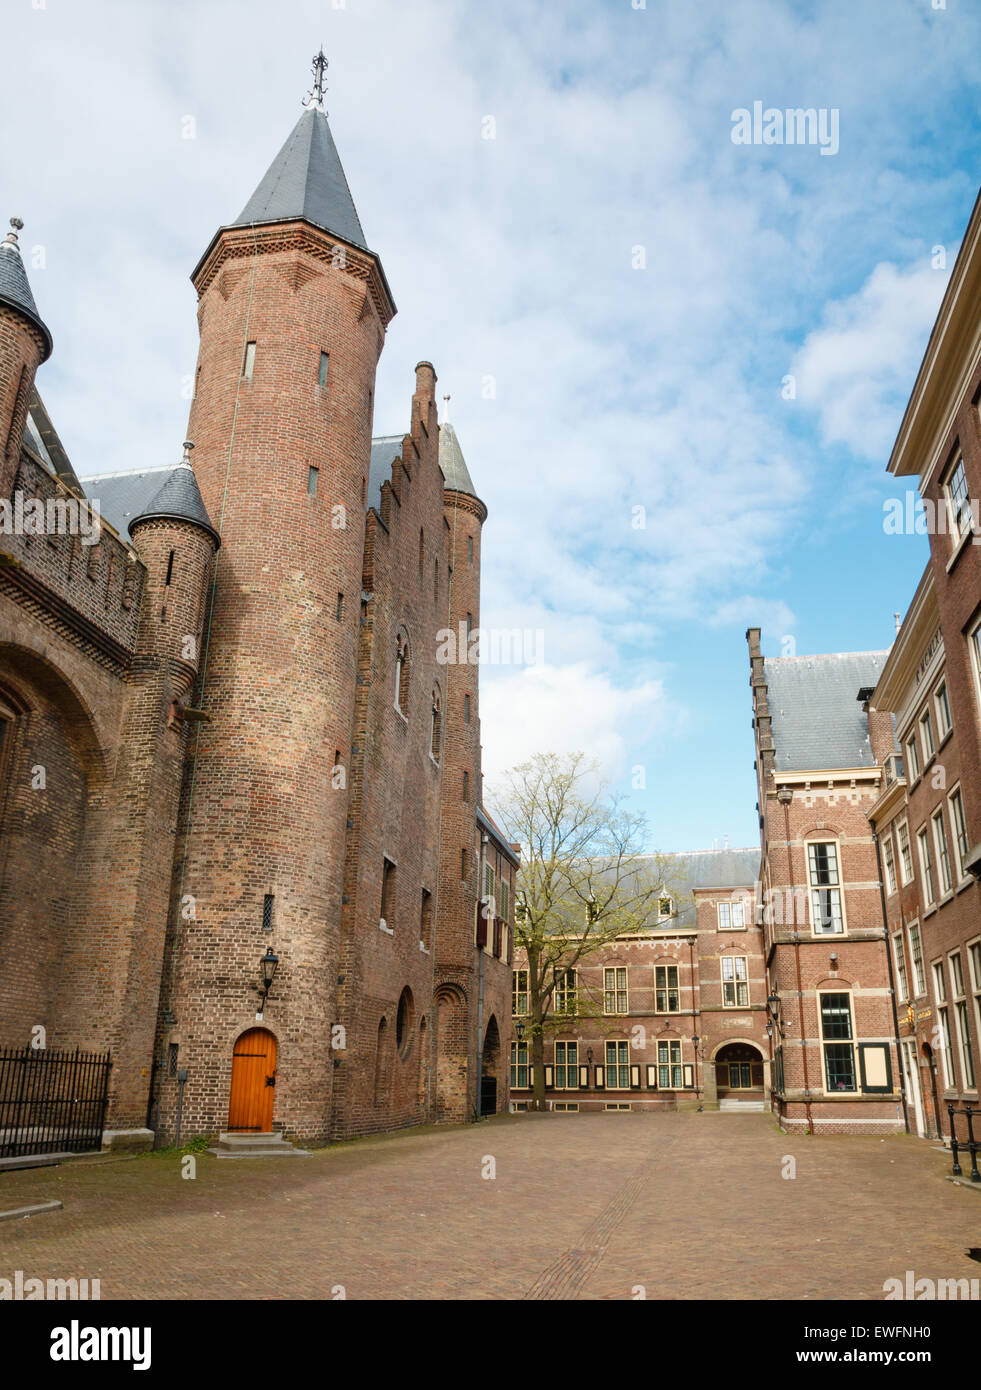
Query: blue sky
513,258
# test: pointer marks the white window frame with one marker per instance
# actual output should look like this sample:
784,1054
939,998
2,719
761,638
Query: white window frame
518,993
906,869
957,507
913,758
958,826
916,960
973,950
616,990
838,1042
835,888
958,991
926,866
925,724
667,989
945,720
569,1068
566,994
889,864
899,961
731,987
946,1047
617,1066
941,843
674,1068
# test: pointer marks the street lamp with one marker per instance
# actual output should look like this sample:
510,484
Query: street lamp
519,1028
267,965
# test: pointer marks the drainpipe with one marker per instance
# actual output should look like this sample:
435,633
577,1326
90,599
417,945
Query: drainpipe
785,800
892,982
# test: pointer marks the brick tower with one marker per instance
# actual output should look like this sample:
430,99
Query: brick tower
293,309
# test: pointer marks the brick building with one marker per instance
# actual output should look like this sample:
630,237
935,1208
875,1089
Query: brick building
669,1015
819,757
233,730
928,817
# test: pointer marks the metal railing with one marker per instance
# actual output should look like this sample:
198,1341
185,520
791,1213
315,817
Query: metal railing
52,1102
972,1144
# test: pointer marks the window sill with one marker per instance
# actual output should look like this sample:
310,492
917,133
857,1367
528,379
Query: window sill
964,883
404,717
424,948
389,931
948,735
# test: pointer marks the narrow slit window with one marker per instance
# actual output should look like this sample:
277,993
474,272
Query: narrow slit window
248,365
340,607
267,912
170,567
322,372
313,475
466,786
466,709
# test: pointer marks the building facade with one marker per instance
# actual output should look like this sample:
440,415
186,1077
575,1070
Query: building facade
929,814
244,847
819,762
671,1015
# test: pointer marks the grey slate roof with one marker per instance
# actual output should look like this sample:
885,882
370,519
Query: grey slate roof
123,496
179,499
452,462
306,180
384,449
15,289
722,869
817,721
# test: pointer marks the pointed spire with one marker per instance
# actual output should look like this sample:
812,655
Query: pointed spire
15,289
455,471
306,181
315,97
179,499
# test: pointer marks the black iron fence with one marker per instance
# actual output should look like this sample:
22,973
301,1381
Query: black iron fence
52,1102
970,1144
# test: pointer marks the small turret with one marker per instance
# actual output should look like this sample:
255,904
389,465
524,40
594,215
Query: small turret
25,342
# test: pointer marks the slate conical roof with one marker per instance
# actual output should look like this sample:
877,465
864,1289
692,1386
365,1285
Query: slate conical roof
15,289
306,180
178,500
452,462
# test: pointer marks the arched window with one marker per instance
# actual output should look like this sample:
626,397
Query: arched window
403,1023
437,727
402,674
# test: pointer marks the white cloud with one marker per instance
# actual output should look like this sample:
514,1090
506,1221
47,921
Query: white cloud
857,369
565,709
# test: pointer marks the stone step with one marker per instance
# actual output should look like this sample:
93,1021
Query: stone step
740,1105
272,1145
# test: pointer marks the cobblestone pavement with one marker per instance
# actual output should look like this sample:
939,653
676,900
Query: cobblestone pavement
587,1206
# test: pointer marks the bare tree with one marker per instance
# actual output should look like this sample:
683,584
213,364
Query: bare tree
584,878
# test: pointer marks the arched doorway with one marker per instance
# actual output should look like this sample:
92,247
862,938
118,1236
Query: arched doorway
253,1082
490,1067
739,1076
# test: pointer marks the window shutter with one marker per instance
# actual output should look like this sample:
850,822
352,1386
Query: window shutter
600,1079
531,1078
584,1078
635,1078
548,1078
875,1067
651,1077
688,1075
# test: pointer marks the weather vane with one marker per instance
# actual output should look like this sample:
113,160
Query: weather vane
319,70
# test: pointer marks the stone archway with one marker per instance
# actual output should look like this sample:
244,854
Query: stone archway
740,1079
450,1010
491,1090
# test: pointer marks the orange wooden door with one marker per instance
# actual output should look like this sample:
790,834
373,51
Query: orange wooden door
253,1082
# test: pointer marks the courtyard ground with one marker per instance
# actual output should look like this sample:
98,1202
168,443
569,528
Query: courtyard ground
588,1206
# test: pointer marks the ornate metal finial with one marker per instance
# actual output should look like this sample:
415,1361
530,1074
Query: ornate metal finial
446,410
186,460
16,223
315,97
